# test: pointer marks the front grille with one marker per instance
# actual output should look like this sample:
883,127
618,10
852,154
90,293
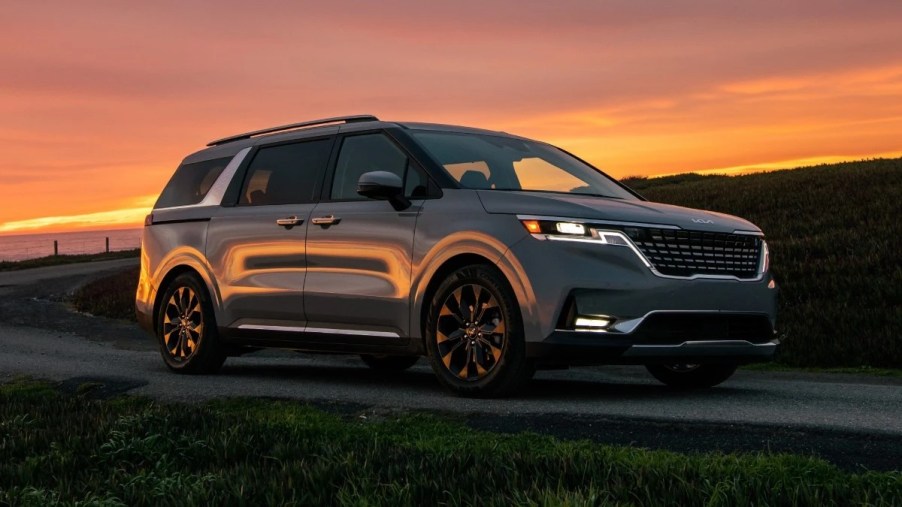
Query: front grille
676,328
688,253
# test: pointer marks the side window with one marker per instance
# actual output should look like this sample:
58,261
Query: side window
417,184
362,154
472,174
285,174
191,182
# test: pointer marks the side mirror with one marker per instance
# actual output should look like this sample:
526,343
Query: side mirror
383,185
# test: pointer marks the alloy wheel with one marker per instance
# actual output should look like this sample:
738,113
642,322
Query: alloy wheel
470,332
183,324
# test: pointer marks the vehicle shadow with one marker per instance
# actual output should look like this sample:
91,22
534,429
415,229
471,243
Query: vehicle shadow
421,382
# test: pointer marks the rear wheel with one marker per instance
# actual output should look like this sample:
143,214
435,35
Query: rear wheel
186,328
474,334
389,363
691,376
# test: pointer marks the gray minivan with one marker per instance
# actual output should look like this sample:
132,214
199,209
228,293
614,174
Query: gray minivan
489,253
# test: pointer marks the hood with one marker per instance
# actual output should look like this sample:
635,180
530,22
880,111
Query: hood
602,208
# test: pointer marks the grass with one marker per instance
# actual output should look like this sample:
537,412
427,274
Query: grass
836,247
60,449
110,296
56,260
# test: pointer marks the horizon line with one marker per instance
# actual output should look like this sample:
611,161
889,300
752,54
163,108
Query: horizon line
133,217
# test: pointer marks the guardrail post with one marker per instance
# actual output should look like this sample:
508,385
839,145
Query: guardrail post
56,248
107,244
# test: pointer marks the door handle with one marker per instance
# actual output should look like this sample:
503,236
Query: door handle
289,222
326,220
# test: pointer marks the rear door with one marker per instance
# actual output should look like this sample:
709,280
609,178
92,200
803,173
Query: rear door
359,249
256,247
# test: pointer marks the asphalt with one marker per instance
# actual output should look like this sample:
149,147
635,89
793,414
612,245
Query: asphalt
853,421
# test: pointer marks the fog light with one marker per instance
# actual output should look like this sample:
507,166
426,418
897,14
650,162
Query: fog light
592,323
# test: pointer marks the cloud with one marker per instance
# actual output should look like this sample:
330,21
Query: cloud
635,87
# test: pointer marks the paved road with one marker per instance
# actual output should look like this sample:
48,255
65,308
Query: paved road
850,420
37,275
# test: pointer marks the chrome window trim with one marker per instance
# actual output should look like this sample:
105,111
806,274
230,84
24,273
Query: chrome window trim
218,189
632,246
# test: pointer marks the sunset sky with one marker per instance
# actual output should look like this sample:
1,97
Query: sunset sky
99,101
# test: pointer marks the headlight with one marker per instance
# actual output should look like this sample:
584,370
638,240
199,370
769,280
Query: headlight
574,231
570,228
555,228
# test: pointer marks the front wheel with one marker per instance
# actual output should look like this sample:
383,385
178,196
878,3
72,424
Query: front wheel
186,328
474,334
691,376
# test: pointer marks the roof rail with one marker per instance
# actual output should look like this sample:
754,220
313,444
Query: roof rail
312,123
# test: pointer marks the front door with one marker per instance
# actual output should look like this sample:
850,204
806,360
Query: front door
256,248
359,250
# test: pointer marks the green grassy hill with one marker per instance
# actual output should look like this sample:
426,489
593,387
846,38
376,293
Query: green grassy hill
835,235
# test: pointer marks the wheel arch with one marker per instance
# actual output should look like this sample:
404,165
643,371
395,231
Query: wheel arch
449,266
180,267
510,270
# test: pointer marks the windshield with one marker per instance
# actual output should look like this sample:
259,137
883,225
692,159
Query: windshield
488,162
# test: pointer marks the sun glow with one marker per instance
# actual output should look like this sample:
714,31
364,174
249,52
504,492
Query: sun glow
98,105
126,217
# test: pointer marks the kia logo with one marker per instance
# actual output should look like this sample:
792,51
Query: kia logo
702,221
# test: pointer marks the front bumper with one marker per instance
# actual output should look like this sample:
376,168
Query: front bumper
664,337
650,318
611,282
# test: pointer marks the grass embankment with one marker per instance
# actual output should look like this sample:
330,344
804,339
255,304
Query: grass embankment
110,296
55,260
64,449
836,250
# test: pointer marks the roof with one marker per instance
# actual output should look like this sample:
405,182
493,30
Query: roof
229,146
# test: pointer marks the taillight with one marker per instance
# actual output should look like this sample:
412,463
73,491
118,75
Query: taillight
148,220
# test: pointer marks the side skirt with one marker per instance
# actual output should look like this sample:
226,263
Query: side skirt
336,343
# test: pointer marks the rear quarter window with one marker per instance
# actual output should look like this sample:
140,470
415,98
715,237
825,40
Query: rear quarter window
191,182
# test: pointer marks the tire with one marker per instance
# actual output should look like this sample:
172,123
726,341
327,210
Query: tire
389,364
691,376
477,354
186,328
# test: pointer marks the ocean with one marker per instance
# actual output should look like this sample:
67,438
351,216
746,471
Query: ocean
28,246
